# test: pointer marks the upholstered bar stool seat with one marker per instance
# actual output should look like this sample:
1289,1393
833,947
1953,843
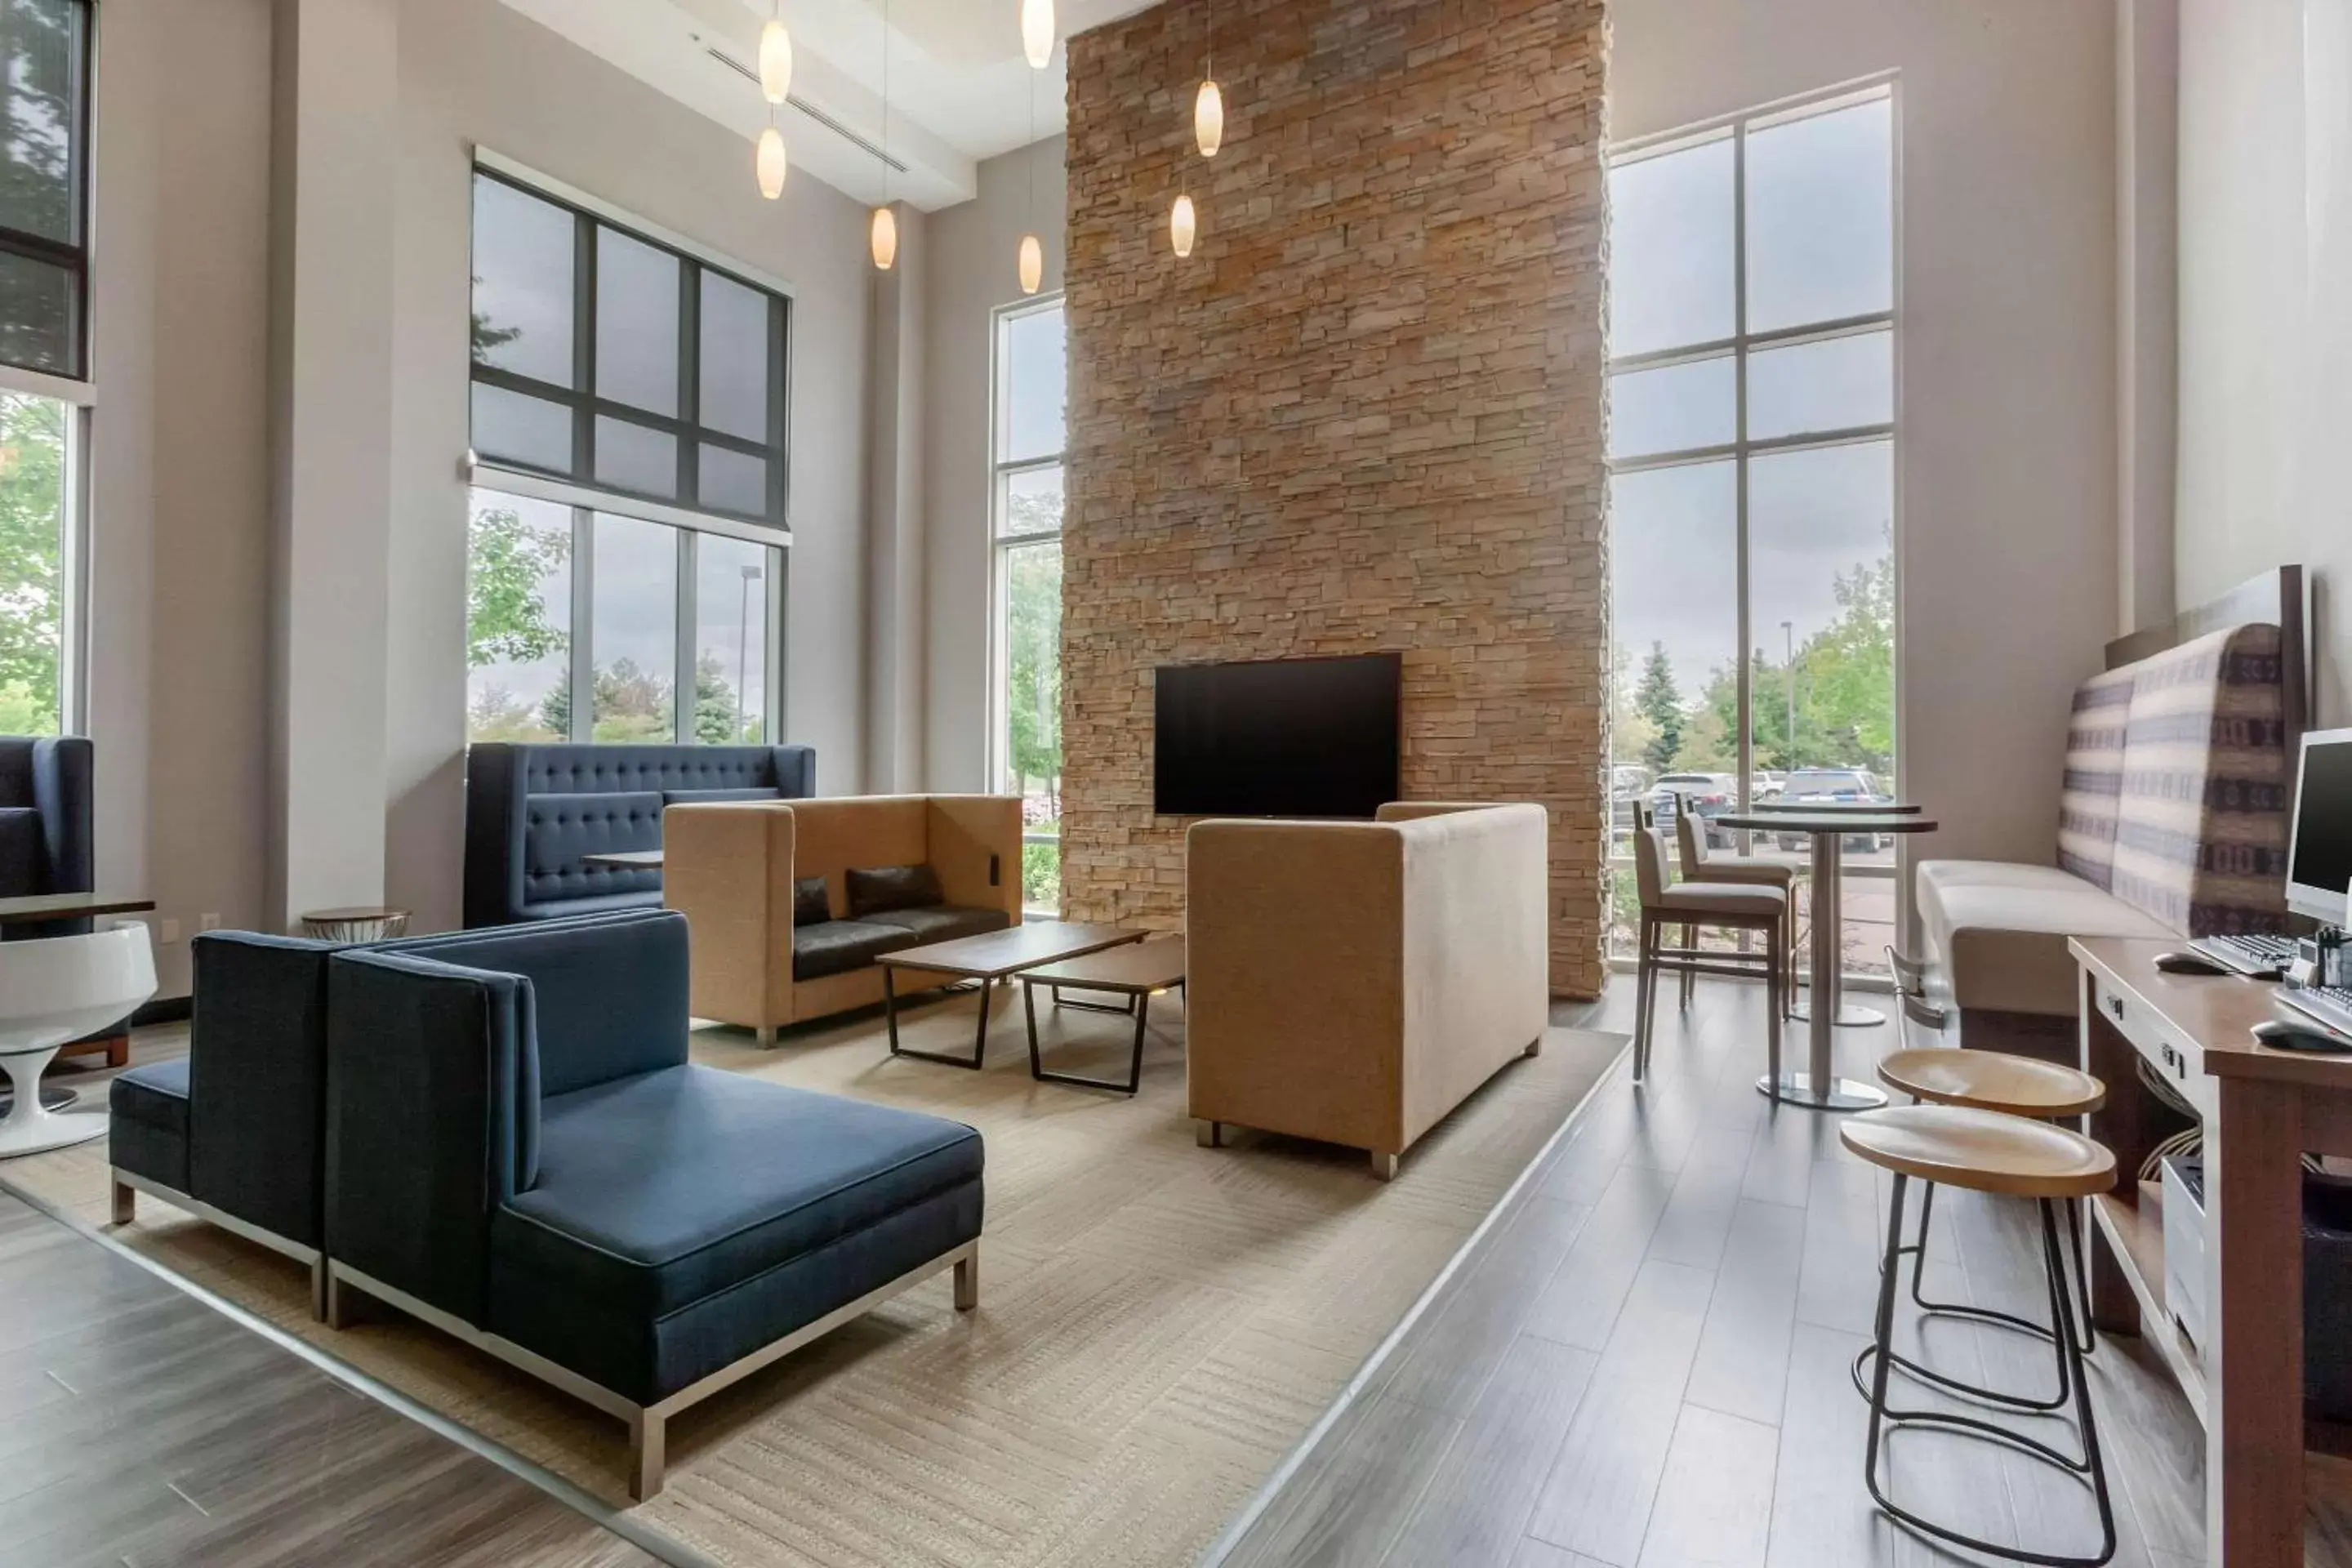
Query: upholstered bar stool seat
1700,864
1721,898
2003,1156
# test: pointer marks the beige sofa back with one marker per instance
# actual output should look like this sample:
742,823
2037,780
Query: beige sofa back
1354,981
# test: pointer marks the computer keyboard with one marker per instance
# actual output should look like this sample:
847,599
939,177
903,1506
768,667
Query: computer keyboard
2331,1005
2259,953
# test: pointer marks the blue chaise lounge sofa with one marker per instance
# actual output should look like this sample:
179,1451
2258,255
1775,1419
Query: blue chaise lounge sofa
520,1155
533,812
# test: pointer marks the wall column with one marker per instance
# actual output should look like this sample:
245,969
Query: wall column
333,190
894,489
2147,94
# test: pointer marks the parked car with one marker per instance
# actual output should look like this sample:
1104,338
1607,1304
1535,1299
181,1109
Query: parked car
1765,783
1836,786
1708,796
1628,783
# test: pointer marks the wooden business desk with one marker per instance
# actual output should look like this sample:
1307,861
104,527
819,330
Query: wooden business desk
2262,1110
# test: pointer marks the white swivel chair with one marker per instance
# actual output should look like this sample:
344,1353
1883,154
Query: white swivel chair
59,990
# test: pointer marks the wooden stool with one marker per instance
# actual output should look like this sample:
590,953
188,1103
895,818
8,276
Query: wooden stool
2008,1156
2014,1086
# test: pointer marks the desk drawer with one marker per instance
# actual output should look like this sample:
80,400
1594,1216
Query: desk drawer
2178,1058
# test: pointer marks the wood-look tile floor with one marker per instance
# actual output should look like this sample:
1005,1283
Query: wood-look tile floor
140,1427
1644,1363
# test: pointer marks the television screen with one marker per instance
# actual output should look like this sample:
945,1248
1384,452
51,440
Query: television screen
1298,737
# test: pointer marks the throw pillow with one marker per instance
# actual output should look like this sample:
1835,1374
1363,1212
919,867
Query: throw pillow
810,906
883,888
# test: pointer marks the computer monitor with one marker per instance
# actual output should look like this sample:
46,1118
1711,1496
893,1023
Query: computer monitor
2319,856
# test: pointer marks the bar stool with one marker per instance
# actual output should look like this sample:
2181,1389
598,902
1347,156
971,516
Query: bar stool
2012,1085
1694,906
1700,864
2008,1156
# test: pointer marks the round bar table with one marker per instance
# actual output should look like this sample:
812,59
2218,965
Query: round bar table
1850,1014
1819,1087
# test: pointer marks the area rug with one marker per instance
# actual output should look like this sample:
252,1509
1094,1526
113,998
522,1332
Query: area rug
1159,1323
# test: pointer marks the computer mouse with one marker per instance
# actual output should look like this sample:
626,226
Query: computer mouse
2187,963
2284,1034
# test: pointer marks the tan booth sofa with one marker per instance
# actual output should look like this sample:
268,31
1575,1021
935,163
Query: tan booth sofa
2172,823
730,868
1354,981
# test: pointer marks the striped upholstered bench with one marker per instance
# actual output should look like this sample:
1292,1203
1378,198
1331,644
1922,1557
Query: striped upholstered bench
2172,823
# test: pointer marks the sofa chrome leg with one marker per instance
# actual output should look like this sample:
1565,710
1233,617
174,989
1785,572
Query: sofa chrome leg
319,1289
647,1461
1535,1046
126,1203
1209,1134
967,1282
764,1036
1384,1166
342,1301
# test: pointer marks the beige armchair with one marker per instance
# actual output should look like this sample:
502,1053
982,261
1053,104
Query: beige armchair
1354,981
730,868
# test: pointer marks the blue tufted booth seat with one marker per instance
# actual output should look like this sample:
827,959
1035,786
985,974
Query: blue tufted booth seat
519,1151
533,812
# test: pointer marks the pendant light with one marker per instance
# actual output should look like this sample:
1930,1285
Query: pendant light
773,163
1180,226
1033,249
883,238
1037,31
1209,108
775,59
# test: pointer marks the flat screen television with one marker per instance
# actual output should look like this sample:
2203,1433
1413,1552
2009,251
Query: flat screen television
1292,737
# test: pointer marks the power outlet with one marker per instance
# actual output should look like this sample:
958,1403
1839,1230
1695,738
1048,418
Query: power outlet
208,922
168,931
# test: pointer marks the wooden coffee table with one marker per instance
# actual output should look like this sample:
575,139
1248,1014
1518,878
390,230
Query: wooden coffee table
1139,970
989,958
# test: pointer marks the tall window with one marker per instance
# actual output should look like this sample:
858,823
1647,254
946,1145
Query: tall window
1031,375
1751,447
45,57
629,516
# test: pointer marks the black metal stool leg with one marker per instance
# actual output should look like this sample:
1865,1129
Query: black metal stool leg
2090,1467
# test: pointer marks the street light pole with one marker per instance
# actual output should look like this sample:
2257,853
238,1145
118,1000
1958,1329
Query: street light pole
743,646
1788,680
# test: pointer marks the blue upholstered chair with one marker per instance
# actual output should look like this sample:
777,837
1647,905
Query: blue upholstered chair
519,1153
46,844
533,812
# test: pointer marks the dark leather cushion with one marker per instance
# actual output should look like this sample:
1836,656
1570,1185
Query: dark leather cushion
658,1191
147,1122
836,947
24,862
810,906
942,922
882,887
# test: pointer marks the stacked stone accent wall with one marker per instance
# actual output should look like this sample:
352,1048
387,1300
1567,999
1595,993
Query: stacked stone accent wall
1366,413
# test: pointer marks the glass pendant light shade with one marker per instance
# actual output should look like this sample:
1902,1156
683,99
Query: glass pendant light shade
775,62
773,162
1180,226
886,238
1209,119
1032,263
1037,31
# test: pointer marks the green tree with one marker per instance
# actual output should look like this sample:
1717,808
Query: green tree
1657,699
714,704
1033,600
510,565
32,538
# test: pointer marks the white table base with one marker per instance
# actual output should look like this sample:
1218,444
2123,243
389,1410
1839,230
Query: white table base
30,1127
1850,1014
1819,1087
1844,1093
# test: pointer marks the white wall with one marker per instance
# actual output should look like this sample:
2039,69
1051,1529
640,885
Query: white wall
2007,384
2265,351
179,506
974,249
476,72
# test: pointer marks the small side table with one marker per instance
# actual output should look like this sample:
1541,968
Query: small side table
1138,972
359,924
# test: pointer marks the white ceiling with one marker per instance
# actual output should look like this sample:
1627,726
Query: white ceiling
960,90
